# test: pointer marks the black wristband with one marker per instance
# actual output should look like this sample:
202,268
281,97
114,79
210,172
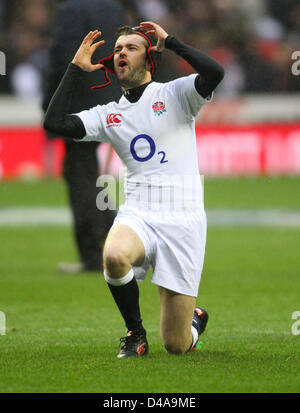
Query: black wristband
172,43
76,70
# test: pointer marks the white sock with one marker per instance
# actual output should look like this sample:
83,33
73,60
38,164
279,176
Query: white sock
195,335
119,281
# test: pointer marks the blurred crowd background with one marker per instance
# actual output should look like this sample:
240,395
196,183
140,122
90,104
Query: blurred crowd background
253,40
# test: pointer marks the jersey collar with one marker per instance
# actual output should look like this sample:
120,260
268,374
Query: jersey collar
133,95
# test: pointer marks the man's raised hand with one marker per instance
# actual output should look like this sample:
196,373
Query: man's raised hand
154,29
87,48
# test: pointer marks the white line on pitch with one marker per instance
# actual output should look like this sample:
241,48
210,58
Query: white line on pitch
62,216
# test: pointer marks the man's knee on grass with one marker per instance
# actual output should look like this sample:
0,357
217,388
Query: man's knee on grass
177,345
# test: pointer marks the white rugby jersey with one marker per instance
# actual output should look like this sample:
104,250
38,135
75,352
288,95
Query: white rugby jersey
155,139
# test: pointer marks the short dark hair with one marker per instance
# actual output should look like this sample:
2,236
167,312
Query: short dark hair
124,31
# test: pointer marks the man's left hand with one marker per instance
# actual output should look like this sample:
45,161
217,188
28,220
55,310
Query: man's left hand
154,29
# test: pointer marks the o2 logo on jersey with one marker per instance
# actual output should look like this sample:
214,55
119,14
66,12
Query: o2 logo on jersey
152,149
113,119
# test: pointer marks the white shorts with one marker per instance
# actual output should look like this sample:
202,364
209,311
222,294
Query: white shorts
174,243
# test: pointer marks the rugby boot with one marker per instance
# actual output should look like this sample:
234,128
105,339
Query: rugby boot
200,319
133,345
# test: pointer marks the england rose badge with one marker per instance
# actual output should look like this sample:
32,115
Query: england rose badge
158,108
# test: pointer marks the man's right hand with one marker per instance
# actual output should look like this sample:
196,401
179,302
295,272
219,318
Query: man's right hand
84,54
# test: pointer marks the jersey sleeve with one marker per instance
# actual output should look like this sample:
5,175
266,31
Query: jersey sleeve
183,90
94,124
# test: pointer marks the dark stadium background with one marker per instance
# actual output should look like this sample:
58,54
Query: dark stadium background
59,334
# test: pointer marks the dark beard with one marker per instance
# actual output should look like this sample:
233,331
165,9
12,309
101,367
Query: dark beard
135,80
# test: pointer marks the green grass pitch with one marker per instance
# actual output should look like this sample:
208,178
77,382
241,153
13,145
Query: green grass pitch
63,331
